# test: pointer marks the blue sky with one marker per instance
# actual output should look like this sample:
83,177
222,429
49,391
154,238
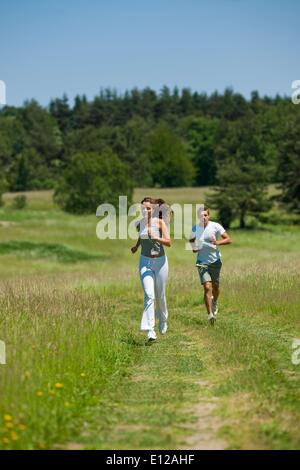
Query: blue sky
51,47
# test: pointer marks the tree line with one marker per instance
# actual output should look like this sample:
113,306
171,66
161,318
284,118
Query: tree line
91,150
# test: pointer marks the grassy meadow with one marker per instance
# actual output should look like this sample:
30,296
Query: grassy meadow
79,374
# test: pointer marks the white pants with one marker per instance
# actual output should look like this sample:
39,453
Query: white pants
154,275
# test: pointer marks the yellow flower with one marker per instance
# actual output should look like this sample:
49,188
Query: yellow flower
58,385
82,374
9,424
5,440
22,427
39,393
8,418
14,436
52,392
67,404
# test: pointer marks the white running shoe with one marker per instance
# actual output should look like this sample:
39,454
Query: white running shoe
151,335
211,318
214,307
163,327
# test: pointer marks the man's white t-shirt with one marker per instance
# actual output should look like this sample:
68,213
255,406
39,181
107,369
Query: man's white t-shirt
208,253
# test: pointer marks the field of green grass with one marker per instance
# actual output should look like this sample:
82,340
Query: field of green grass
80,375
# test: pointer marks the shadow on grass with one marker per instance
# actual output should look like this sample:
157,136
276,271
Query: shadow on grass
131,341
59,252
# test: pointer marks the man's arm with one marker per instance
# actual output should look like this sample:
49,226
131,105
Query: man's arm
226,240
192,243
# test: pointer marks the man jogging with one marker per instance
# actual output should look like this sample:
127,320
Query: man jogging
205,242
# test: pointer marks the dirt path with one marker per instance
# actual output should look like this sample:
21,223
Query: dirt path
165,402
207,426
204,432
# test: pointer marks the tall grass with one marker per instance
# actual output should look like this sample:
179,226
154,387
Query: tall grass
62,348
78,370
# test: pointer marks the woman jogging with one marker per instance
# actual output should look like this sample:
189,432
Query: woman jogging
204,241
153,236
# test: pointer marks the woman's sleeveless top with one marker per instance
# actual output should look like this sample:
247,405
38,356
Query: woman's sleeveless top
149,247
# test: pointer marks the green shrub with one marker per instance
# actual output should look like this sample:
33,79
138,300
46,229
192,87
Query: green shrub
19,202
91,179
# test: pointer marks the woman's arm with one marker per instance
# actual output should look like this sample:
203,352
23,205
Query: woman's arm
165,238
135,247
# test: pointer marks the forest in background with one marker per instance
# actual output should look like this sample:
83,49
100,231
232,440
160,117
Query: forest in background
91,150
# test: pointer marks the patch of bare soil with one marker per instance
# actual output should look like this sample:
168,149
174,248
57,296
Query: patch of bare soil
205,429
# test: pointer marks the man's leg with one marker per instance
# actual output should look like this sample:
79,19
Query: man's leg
206,281
207,286
215,291
215,270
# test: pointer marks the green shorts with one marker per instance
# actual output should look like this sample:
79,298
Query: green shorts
210,272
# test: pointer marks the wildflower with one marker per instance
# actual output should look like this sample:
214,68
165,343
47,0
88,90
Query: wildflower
8,418
82,374
9,425
22,427
14,436
39,393
5,440
52,392
58,385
